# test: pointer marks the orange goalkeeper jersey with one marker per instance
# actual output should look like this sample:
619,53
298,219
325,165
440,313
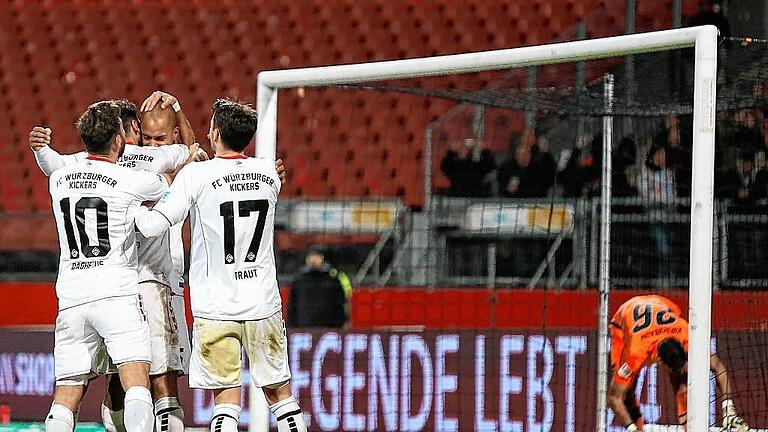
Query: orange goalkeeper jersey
637,328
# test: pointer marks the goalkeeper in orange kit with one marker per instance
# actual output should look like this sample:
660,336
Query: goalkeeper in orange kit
647,330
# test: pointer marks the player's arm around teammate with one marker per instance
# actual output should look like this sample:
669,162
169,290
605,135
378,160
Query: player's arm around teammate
112,315
49,160
235,299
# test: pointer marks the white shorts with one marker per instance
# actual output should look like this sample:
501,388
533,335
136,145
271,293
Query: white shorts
217,347
164,335
163,330
179,313
115,325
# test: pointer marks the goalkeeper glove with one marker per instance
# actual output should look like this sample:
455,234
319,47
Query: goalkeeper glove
632,427
731,421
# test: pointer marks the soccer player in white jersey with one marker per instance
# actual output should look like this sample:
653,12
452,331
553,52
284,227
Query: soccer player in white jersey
157,272
94,203
235,299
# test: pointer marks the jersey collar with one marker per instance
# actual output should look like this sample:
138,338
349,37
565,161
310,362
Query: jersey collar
129,142
237,156
99,158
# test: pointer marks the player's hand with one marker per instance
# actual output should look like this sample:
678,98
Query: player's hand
165,100
39,137
734,424
281,170
731,421
196,154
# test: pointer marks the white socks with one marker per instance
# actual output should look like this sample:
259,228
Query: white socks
59,419
225,418
289,416
169,417
113,420
138,410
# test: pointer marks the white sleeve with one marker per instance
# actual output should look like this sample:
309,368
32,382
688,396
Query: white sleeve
151,223
175,156
175,204
149,186
49,160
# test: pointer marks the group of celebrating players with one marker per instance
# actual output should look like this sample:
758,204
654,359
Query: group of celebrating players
120,281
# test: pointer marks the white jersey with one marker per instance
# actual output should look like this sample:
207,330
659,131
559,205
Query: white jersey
231,202
158,261
94,203
163,159
177,258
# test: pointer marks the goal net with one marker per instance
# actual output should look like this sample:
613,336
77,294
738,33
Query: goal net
463,196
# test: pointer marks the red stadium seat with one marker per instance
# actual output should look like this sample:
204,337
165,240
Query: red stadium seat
206,49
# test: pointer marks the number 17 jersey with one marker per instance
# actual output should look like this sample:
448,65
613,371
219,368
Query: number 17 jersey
231,203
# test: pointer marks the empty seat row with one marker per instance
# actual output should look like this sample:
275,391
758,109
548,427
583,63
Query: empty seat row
57,57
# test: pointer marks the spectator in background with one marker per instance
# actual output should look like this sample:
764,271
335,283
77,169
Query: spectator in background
319,295
523,176
682,62
748,132
746,187
624,159
745,184
579,174
467,164
540,153
656,187
583,172
678,153
544,158
710,13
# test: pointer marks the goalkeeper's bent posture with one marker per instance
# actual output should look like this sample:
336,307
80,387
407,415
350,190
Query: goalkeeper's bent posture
647,330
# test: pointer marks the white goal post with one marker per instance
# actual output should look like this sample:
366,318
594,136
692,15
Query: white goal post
703,39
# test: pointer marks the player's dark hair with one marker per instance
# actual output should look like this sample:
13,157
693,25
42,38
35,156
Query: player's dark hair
128,111
672,354
236,122
98,126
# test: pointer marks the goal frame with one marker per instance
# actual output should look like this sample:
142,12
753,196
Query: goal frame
704,41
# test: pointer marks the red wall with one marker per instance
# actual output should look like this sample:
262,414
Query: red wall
25,304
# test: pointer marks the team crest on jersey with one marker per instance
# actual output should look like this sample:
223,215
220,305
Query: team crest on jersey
230,258
251,256
74,253
95,251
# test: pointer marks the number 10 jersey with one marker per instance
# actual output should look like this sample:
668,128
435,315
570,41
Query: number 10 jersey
231,203
94,203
